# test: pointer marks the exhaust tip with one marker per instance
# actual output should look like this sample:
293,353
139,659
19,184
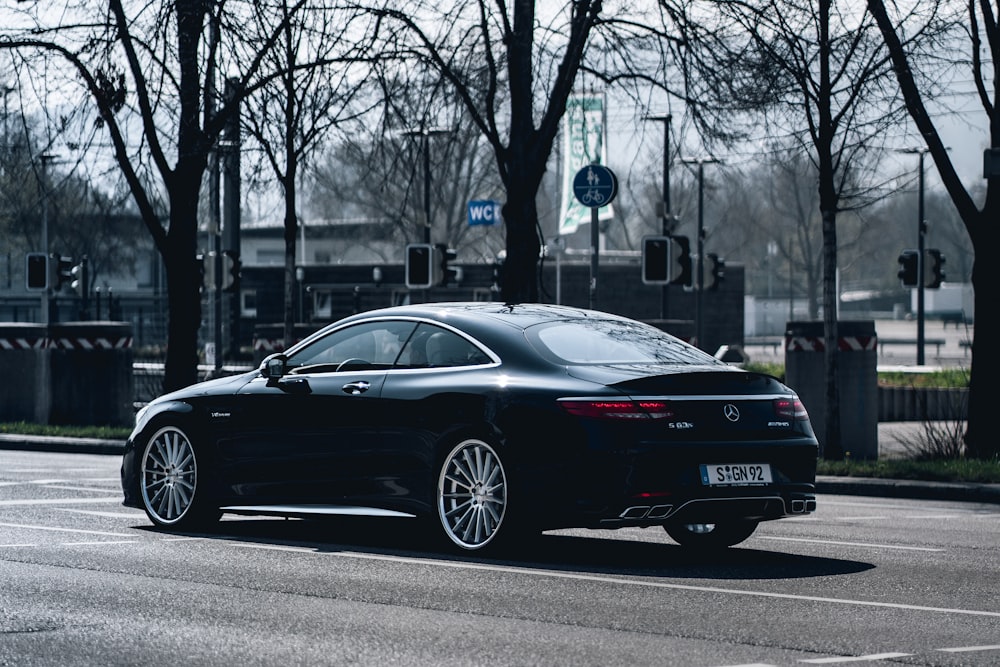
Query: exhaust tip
659,511
637,512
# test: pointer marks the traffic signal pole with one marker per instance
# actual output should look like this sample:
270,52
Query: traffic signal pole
920,151
667,216
921,260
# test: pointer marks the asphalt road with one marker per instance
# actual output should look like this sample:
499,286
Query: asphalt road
84,581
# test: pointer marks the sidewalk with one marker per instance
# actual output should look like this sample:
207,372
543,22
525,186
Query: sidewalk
892,439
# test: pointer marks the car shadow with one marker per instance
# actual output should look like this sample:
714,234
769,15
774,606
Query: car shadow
597,554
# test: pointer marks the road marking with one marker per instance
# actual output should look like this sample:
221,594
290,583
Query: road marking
968,649
111,515
616,581
858,658
64,530
60,501
98,543
847,544
88,489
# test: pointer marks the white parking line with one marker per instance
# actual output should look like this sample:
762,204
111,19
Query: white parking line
111,515
623,582
60,501
846,544
88,489
969,649
858,658
63,530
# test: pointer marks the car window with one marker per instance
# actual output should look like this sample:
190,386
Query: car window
370,344
613,342
434,347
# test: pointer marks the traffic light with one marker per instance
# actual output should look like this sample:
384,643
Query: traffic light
656,260
231,265
680,259
718,270
421,267
36,271
78,278
908,261
206,270
64,271
933,268
446,255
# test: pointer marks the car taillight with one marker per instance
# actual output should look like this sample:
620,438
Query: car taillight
618,409
790,408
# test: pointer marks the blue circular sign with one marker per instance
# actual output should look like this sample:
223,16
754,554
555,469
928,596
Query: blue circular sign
595,185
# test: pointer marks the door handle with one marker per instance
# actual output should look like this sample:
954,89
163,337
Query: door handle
356,388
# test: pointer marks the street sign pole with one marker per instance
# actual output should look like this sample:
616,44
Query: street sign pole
594,245
594,186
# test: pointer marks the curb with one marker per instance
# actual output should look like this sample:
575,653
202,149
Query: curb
49,443
904,488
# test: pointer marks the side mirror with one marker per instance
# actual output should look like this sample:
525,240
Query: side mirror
273,367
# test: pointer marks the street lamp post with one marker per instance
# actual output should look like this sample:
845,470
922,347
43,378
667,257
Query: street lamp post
424,134
700,281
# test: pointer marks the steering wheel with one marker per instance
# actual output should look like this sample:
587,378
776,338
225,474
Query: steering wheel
353,360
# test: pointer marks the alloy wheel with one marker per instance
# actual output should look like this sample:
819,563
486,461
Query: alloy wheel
472,494
169,476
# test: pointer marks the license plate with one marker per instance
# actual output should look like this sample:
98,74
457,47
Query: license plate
736,474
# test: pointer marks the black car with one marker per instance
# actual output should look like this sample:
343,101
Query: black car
489,422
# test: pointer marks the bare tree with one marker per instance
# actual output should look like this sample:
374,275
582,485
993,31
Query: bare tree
149,69
514,66
818,70
376,171
980,27
293,113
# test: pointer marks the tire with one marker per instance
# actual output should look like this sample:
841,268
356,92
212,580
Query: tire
708,536
471,498
169,482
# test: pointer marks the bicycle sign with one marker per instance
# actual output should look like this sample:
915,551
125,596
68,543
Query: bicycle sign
595,186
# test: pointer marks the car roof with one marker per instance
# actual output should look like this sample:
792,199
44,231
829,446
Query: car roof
521,315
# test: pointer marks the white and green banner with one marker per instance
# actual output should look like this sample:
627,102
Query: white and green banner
584,133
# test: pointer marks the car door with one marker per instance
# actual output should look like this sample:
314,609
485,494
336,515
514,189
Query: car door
313,436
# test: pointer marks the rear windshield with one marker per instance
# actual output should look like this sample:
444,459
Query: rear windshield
613,342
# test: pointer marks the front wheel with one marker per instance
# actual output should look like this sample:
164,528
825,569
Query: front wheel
169,481
472,495
710,535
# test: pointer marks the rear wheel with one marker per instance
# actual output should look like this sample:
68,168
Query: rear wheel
472,495
710,535
169,481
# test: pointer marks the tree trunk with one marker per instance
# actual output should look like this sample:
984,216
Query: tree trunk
520,269
980,441
183,292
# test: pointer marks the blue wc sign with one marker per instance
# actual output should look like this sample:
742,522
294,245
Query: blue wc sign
484,212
